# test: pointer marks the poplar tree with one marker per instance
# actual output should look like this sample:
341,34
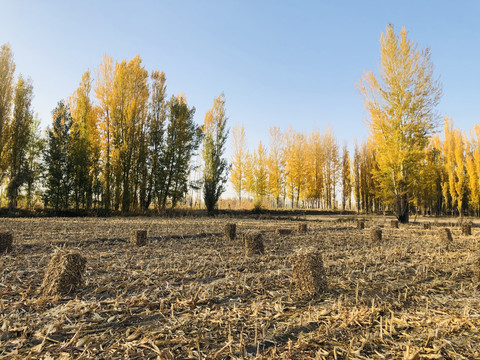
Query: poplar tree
239,157
182,140
400,103
57,162
19,136
7,69
215,167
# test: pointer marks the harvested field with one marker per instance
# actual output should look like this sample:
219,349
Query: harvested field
189,294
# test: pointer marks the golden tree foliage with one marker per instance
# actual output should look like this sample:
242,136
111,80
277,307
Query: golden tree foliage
239,158
295,162
276,164
400,104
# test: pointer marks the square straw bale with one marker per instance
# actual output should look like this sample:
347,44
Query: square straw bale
230,231
308,272
476,269
394,224
302,228
467,228
375,234
445,235
64,273
6,241
360,225
138,237
253,241
280,232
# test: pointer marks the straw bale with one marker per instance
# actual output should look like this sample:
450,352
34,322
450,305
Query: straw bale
253,241
302,228
138,237
360,225
308,272
445,235
467,228
6,241
230,231
64,273
394,224
375,234
283,231
476,269
427,226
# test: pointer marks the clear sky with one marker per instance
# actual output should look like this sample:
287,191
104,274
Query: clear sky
278,62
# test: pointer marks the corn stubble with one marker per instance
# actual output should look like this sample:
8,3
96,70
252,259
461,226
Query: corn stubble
191,294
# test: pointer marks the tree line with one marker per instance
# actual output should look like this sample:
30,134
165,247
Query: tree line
117,143
120,143
403,166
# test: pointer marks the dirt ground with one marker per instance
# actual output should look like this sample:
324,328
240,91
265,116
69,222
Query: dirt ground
192,294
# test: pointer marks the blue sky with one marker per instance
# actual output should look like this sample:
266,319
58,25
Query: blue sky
278,62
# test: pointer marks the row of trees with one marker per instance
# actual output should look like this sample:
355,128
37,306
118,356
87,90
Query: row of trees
117,142
403,162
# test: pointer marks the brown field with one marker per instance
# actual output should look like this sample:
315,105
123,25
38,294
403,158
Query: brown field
191,294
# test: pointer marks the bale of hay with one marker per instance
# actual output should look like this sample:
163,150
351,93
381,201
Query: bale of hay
467,228
302,228
360,225
308,272
394,224
230,231
280,232
138,237
253,242
64,273
427,226
476,269
375,234
6,242
445,235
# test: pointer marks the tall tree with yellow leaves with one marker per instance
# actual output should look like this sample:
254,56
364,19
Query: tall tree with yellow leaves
314,168
346,178
85,144
275,165
400,103
239,157
295,161
104,94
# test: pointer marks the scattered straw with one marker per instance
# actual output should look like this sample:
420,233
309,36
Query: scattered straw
427,226
64,273
360,225
308,272
253,243
394,224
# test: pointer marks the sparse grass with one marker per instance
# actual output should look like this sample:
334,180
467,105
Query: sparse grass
189,294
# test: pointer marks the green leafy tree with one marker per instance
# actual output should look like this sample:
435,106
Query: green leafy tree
157,118
20,130
7,69
182,140
214,138
57,162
